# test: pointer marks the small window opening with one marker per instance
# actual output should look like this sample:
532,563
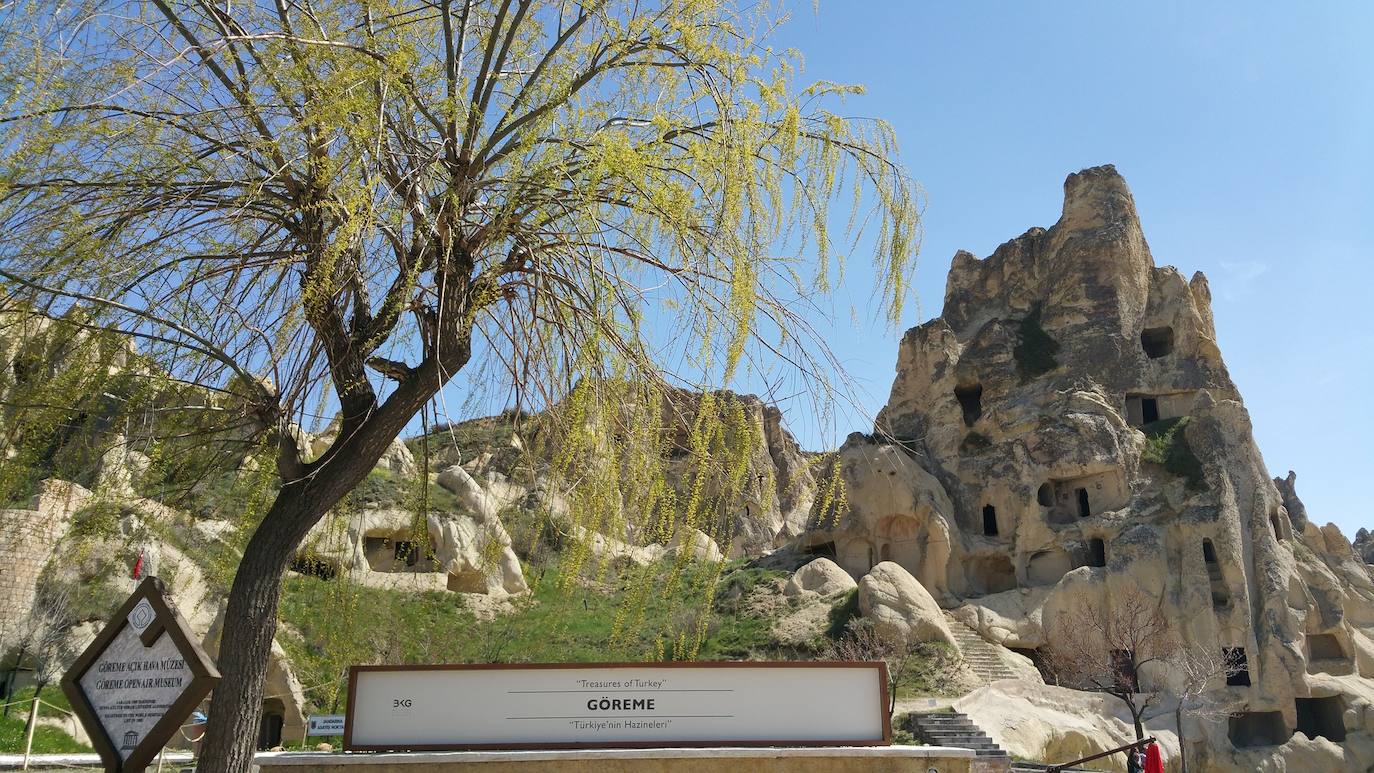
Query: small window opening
1322,717
1045,495
1324,646
886,552
1083,510
1157,341
1274,524
1123,670
971,401
1237,667
1209,553
406,552
1097,553
990,520
1149,410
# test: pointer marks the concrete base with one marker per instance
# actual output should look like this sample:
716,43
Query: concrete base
843,759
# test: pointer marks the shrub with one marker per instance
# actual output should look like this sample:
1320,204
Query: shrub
1166,444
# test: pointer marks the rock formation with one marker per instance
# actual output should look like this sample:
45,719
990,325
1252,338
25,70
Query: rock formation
1065,432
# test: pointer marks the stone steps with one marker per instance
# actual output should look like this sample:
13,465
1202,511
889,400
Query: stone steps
980,655
955,730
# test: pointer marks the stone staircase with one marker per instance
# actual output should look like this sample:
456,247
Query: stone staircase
954,729
979,654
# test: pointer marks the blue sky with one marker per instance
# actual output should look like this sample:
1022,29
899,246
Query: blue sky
1246,133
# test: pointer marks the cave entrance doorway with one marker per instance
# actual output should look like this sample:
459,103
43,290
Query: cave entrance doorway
1149,410
1322,717
1249,729
1097,552
1084,510
989,520
269,728
1324,646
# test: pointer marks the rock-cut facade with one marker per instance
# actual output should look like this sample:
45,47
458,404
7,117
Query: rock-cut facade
1065,433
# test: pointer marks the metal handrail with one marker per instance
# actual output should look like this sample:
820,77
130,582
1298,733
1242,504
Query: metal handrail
1064,765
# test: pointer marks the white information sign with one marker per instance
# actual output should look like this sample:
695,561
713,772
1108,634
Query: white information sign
562,706
325,724
130,687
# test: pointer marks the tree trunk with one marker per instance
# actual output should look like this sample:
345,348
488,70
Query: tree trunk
250,623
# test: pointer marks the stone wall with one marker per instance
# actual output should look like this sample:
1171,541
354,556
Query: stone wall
28,539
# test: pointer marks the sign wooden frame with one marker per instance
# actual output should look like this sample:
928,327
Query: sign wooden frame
879,666
204,678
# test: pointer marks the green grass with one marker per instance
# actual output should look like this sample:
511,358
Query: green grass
46,739
1035,350
1166,444
340,623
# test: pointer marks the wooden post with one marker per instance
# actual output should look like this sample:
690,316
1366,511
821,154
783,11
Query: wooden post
28,733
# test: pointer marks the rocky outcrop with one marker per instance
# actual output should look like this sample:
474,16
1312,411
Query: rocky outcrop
900,608
1065,433
822,577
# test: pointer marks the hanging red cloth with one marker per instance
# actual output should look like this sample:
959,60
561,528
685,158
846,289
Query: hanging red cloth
1154,761
138,566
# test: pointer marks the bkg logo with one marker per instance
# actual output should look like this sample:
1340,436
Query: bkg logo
401,703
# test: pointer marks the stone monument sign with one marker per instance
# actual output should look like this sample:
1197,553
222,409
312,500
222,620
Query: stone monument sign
139,680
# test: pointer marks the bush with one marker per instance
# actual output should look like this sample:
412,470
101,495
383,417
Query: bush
1166,444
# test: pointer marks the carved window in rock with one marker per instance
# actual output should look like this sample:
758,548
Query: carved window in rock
970,399
1084,507
1322,717
990,520
1045,495
1157,341
1221,596
1097,552
1237,666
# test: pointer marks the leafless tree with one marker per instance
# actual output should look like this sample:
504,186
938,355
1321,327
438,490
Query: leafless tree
1196,672
41,641
906,660
1102,649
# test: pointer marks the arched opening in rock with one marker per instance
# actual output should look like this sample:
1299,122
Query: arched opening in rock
992,574
1322,717
1237,666
1324,646
1084,507
1045,495
1157,341
1221,597
1097,552
989,520
970,399
269,727
1274,524
1047,567
1249,729
821,550
898,537
399,552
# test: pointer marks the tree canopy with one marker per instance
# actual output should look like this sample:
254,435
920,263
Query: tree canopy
300,205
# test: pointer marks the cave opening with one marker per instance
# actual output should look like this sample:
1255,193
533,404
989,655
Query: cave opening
1248,729
989,520
1084,510
1157,341
971,402
1322,717
1097,552
1324,646
1149,410
1237,666
1045,495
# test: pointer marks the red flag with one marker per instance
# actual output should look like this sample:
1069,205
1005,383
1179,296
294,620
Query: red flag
1153,762
138,566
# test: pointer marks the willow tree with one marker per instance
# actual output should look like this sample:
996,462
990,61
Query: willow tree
303,203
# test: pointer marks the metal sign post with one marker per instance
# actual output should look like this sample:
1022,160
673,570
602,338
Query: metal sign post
139,680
